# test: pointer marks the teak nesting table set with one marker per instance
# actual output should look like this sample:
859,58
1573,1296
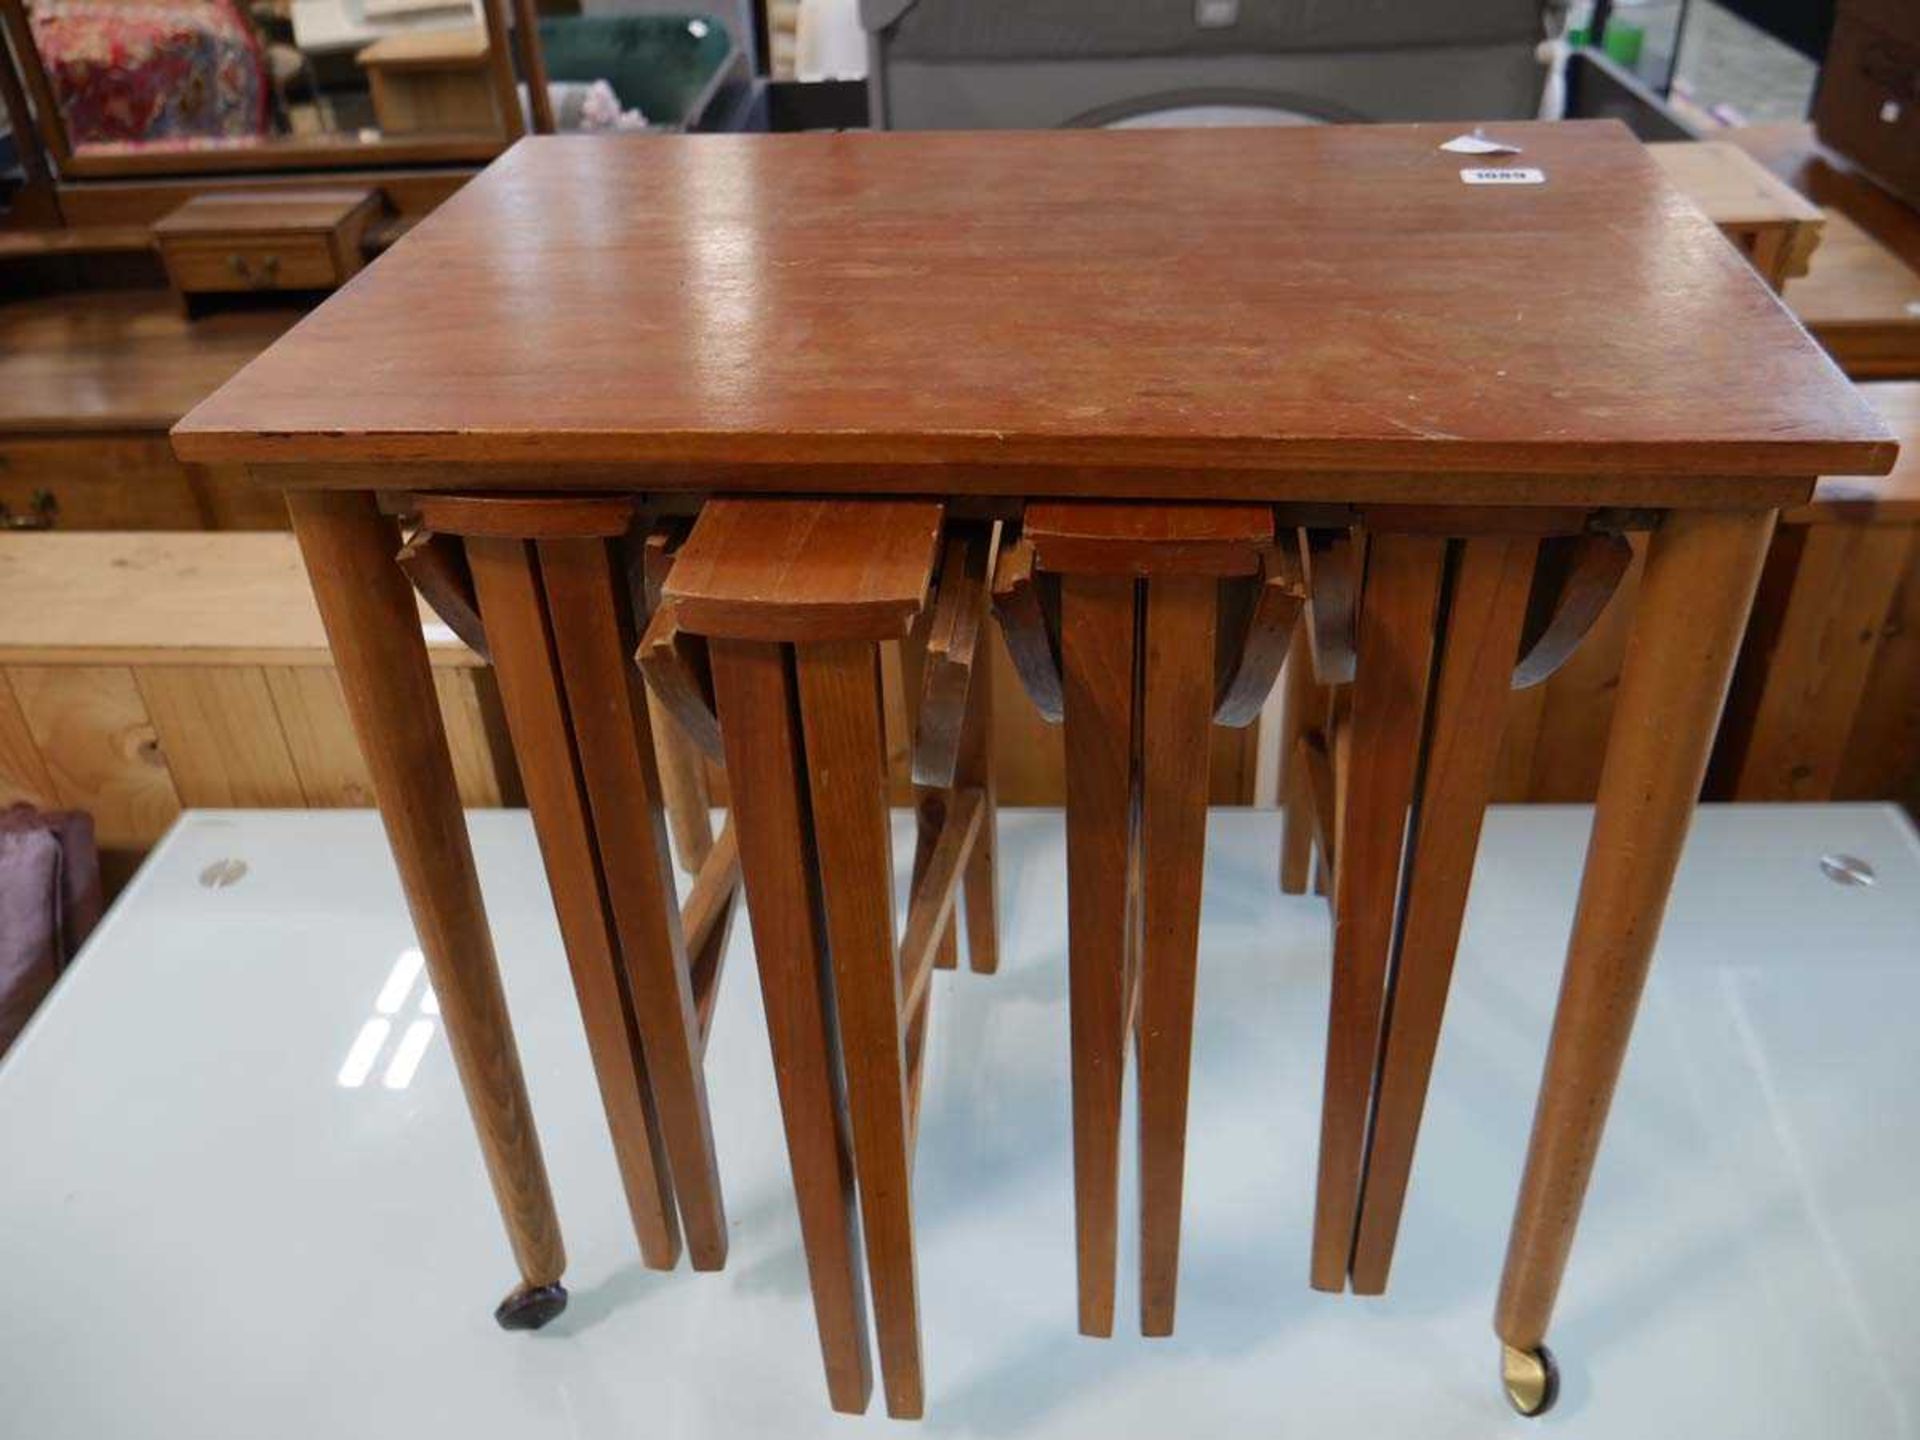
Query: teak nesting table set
719,417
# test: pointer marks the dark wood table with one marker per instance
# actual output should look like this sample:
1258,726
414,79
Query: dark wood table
1327,325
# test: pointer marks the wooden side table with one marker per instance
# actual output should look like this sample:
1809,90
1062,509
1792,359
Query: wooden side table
1770,223
1337,324
795,597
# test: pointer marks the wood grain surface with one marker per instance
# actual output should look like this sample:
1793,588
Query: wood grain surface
507,576
1098,636
1389,699
839,689
606,705
1328,296
1486,605
754,687
805,569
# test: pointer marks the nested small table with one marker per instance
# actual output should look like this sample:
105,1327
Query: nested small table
1335,328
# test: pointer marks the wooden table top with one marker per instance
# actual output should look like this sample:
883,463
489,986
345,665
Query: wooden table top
1202,301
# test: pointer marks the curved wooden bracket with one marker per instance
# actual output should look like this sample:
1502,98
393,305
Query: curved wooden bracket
1256,628
437,565
1331,562
676,669
1575,577
953,636
1028,609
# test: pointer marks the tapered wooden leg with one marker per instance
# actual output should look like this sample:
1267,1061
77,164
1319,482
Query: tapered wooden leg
840,706
373,628
1694,597
593,640
1389,702
1097,638
1486,609
1177,707
1339,703
1298,694
770,814
981,880
507,583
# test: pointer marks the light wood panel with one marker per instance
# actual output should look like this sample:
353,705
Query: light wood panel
133,686
161,599
99,749
23,774
1817,671
1883,752
483,765
312,713
220,736
1858,298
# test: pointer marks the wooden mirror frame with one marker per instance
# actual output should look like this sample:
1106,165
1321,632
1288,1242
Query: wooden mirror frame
321,153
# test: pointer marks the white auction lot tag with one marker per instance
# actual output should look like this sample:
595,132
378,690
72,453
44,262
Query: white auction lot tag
1503,175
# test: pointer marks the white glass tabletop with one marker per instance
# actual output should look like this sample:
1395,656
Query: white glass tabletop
239,1195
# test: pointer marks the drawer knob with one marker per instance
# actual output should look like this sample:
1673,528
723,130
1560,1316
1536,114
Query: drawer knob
41,513
262,275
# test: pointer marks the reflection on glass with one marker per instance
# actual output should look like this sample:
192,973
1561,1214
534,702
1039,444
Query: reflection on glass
192,76
406,969
406,1058
363,1052
363,1055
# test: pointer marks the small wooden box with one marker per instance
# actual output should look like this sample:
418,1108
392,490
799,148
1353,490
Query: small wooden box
432,82
291,240
1768,221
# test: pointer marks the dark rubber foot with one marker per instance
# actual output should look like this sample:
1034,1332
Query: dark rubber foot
530,1307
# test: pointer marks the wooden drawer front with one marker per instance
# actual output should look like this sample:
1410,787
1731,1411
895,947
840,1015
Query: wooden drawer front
98,482
304,262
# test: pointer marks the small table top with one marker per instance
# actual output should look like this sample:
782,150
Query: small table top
1730,186
1184,303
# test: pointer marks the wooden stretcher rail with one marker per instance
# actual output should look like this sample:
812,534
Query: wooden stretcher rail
706,920
930,910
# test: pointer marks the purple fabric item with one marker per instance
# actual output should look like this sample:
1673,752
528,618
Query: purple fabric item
50,900
29,926
81,898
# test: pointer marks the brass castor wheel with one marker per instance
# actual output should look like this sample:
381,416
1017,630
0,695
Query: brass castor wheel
530,1307
1530,1378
